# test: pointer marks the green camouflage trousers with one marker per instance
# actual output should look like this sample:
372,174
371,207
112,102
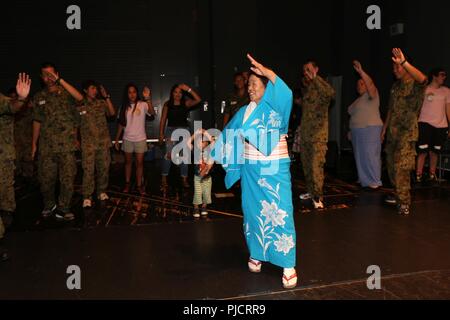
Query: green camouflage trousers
7,200
401,160
95,160
313,156
24,162
48,168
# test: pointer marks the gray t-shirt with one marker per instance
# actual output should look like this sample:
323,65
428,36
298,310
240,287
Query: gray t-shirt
365,112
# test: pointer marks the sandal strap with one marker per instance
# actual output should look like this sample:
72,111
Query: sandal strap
253,262
290,278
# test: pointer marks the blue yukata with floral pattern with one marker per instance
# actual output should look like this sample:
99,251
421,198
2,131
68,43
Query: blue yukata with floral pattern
266,184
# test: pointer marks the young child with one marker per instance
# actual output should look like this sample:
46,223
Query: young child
202,177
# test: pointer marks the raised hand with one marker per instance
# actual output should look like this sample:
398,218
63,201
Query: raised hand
357,66
51,75
184,87
23,85
117,145
310,72
103,92
146,93
398,56
261,70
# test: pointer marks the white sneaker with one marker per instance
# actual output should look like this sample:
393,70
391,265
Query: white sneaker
305,196
103,197
196,214
318,204
87,203
204,212
289,278
67,216
48,212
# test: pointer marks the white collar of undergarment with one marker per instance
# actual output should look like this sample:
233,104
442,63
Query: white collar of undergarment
248,112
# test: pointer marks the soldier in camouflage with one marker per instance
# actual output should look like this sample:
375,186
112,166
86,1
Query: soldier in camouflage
401,128
8,107
95,141
23,135
55,125
317,96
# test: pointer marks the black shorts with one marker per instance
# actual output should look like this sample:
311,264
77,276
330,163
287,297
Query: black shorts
431,138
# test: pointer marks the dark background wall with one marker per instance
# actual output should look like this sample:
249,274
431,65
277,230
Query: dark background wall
203,42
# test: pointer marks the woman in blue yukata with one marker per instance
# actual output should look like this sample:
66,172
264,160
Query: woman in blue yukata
253,148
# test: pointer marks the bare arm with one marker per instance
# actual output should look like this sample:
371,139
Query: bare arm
261,70
146,93
162,125
68,87
448,116
191,102
399,58
110,107
371,88
71,90
111,110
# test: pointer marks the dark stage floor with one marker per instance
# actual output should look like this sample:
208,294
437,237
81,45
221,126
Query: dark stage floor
151,248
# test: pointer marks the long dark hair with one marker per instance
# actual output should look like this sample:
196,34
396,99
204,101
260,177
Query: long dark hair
126,104
171,102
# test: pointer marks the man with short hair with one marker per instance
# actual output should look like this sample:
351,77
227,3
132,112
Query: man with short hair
8,107
55,123
317,96
433,123
401,128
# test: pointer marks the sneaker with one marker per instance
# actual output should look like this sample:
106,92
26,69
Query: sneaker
305,196
103,197
289,278
390,199
66,216
318,204
204,212
196,213
419,178
432,178
254,266
48,212
404,210
87,203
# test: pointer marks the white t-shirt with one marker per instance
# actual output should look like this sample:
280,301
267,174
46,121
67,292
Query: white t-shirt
135,129
434,107
365,112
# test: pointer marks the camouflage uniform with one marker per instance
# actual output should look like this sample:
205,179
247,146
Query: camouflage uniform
234,102
7,156
95,146
23,135
405,103
314,133
58,116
